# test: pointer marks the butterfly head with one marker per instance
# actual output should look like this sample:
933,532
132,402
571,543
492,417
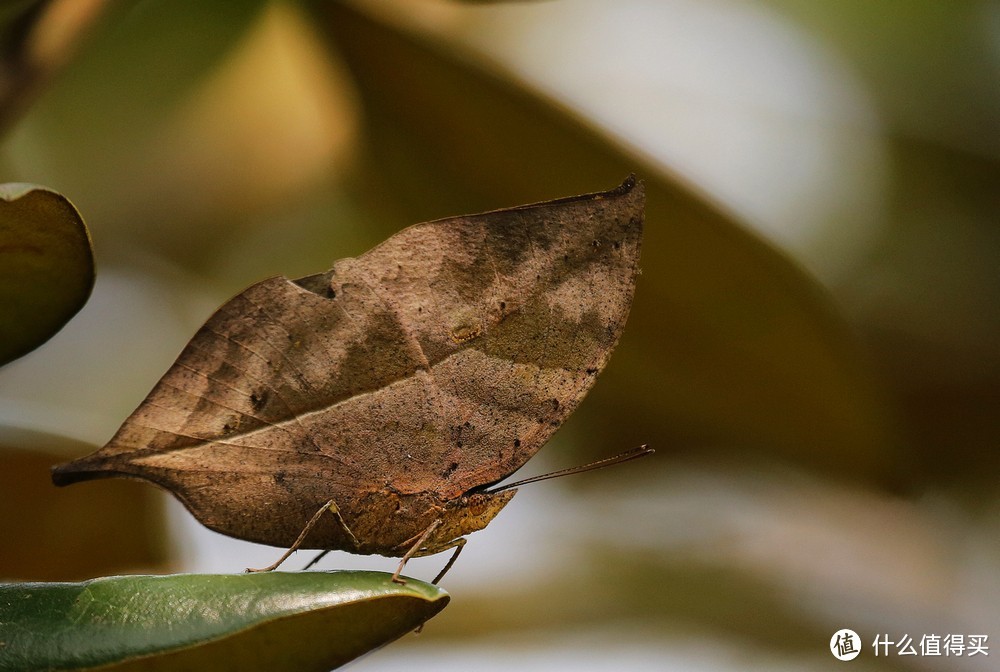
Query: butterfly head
466,514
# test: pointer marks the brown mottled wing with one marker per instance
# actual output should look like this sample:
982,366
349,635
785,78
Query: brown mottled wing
439,361
511,316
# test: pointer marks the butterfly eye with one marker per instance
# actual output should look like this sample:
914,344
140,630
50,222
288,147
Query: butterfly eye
465,333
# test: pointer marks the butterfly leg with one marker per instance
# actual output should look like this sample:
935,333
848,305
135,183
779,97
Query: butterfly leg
414,549
458,545
319,556
330,506
347,531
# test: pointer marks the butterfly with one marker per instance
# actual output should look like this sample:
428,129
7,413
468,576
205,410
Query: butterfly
372,407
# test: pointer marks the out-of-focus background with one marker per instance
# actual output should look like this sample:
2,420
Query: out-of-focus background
813,350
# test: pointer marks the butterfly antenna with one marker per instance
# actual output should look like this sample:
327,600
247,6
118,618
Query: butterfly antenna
633,454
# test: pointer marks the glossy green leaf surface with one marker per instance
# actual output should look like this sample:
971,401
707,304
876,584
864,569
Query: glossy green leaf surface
46,266
276,621
729,343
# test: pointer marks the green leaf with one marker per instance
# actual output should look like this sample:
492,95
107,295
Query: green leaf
11,11
277,621
134,90
729,343
37,38
46,266
138,65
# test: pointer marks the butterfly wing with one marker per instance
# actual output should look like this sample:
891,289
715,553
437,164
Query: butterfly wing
510,315
439,361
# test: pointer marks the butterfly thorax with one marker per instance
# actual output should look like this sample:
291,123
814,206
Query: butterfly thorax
389,523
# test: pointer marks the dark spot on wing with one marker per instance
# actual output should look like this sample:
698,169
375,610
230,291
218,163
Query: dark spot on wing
258,400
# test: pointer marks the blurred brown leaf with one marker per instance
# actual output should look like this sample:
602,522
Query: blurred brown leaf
928,298
60,535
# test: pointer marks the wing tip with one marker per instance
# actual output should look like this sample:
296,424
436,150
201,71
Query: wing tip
630,183
83,469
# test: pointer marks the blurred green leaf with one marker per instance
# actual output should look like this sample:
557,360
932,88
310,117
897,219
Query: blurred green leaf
729,343
142,61
276,621
12,10
37,38
151,127
17,21
930,66
46,266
